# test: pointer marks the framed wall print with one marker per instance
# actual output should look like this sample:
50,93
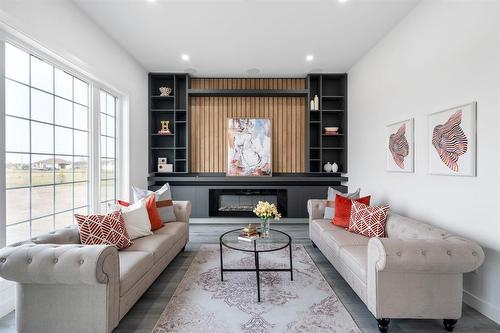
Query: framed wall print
400,146
452,141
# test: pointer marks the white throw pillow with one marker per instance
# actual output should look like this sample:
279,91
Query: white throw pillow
136,219
163,198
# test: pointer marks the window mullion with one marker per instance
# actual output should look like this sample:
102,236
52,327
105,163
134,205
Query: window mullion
94,156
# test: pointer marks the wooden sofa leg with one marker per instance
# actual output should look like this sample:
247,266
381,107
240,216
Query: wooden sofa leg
383,324
449,324
314,245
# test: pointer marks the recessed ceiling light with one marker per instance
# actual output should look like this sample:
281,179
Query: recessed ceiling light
309,57
185,57
342,1
151,0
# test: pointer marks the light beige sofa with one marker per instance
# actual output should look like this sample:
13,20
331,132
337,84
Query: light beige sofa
416,272
63,286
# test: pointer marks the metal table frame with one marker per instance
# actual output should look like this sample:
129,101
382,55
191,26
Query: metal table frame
256,252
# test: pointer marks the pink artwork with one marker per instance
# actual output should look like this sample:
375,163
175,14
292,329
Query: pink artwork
400,153
450,141
399,147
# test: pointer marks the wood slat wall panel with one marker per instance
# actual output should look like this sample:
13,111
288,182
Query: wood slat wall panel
208,83
208,119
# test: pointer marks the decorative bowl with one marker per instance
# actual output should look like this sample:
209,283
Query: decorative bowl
331,129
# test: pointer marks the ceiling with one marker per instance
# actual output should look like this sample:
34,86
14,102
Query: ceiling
247,37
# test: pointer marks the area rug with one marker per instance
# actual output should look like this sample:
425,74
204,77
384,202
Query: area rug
203,303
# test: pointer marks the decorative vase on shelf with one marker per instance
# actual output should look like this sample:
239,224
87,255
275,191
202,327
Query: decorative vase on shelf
327,167
313,105
264,228
335,167
316,102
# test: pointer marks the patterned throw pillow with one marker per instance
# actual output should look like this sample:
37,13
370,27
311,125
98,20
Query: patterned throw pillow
368,220
330,201
103,230
164,201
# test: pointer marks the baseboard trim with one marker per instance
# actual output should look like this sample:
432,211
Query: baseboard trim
486,308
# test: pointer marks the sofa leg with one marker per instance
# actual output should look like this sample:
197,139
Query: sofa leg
184,248
449,324
383,324
314,245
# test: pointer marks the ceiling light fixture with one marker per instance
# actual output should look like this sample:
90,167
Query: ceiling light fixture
185,57
151,0
309,57
342,1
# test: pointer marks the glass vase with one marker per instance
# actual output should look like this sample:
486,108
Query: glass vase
264,228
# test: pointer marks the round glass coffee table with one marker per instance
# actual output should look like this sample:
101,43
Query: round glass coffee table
276,241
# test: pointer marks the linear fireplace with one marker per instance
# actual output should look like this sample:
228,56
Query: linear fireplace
240,202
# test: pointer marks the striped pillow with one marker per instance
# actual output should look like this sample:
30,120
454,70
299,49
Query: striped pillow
103,230
163,198
330,201
368,220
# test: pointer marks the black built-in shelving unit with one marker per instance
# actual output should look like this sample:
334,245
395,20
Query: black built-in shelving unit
174,108
331,90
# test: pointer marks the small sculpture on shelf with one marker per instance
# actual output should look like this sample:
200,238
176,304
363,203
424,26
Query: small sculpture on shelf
163,166
316,102
329,167
165,91
164,128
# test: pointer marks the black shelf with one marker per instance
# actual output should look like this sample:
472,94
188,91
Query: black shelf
331,90
171,108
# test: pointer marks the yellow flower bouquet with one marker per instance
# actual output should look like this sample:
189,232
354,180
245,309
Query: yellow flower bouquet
265,211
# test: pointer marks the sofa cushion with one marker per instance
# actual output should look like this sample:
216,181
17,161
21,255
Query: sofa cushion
133,266
337,237
355,258
161,241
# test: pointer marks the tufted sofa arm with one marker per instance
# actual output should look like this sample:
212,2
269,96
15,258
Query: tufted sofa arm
69,264
182,211
451,255
316,209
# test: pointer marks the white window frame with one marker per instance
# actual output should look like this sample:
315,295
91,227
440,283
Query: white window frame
93,129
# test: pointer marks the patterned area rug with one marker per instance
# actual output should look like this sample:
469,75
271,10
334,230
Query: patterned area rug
202,303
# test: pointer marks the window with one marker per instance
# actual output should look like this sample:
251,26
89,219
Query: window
48,117
107,148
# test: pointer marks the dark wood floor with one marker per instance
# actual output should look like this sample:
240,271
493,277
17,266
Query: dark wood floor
143,316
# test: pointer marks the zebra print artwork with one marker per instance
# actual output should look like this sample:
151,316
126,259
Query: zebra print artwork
450,141
399,147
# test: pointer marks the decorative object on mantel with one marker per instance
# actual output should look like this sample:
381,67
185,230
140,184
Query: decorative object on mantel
316,102
332,131
265,211
165,91
452,141
335,167
164,128
313,105
400,152
249,147
327,167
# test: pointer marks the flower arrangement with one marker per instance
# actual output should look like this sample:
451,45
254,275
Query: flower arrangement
264,210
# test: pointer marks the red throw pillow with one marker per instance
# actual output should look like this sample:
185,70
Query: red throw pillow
103,230
368,221
343,209
154,215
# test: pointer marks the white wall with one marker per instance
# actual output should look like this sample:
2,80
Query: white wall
443,54
61,27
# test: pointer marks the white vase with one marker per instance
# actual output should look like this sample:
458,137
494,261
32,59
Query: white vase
316,102
327,167
313,107
335,167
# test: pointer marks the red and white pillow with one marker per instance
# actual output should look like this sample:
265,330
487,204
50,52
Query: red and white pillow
103,230
368,220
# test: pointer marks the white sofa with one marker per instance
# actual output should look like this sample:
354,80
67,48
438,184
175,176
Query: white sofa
415,272
63,286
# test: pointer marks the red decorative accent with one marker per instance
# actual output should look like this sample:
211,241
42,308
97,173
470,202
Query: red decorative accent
368,221
343,209
103,230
